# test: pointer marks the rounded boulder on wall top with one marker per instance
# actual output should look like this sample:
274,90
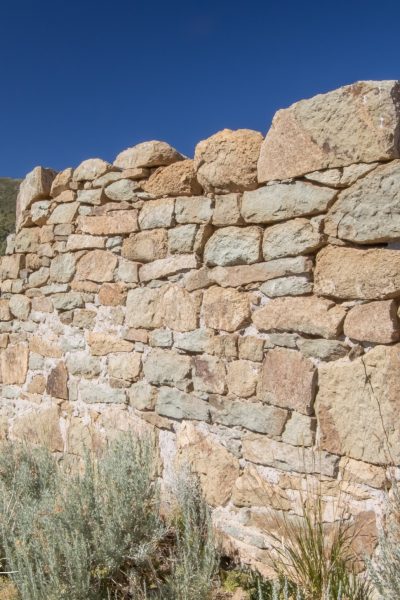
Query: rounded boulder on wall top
147,154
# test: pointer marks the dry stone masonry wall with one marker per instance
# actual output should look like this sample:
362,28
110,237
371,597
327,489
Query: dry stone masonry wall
242,305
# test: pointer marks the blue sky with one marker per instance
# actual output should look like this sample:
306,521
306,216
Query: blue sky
87,78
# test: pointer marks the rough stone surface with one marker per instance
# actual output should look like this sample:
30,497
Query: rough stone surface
174,180
40,427
14,363
146,246
299,236
322,349
167,266
287,286
227,210
225,309
233,246
282,201
176,309
311,315
91,169
97,265
373,322
349,273
356,123
57,382
369,211
269,420
122,190
288,380
141,308
20,306
124,365
106,343
365,428
242,377
179,405
208,374
35,186
243,275
164,367
62,268
124,221
227,161
147,154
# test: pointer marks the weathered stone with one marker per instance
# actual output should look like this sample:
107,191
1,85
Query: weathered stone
157,213
355,123
208,374
119,222
92,393
122,190
63,213
35,186
96,265
106,343
146,246
197,279
242,377
27,240
112,294
362,473
210,461
45,347
233,246
179,405
39,277
299,236
255,417
264,451
181,239
252,489
20,306
107,179
147,154
85,242
124,365
67,301
196,209
37,385
128,271
40,211
83,365
176,309
225,309
193,341
353,172
10,266
40,427
91,169
251,348
288,380
5,314
349,273
142,396
227,161
165,367
227,210
62,268
42,304
14,364
365,428
136,173
161,338
174,180
165,267
65,196
93,197
373,322
322,349
287,286
284,340
300,430
141,308
61,182
311,315
57,382
243,275
282,201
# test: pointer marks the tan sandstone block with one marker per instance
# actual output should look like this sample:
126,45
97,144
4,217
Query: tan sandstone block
165,267
91,169
37,384
225,309
124,365
61,182
288,380
244,274
85,242
251,348
157,213
120,222
96,265
112,294
227,210
178,179
306,137
10,266
310,315
298,236
227,161
211,461
252,489
142,308
106,343
373,322
242,377
45,346
14,364
146,246
208,374
233,246
176,309
365,428
5,314
35,186
349,273
147,154
63,213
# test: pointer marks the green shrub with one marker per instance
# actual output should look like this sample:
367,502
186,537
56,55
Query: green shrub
80,537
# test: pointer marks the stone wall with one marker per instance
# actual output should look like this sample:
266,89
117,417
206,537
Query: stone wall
242,305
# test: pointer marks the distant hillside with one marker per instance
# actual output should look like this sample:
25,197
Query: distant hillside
8,197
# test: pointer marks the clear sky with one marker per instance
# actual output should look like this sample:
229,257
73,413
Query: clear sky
88,78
